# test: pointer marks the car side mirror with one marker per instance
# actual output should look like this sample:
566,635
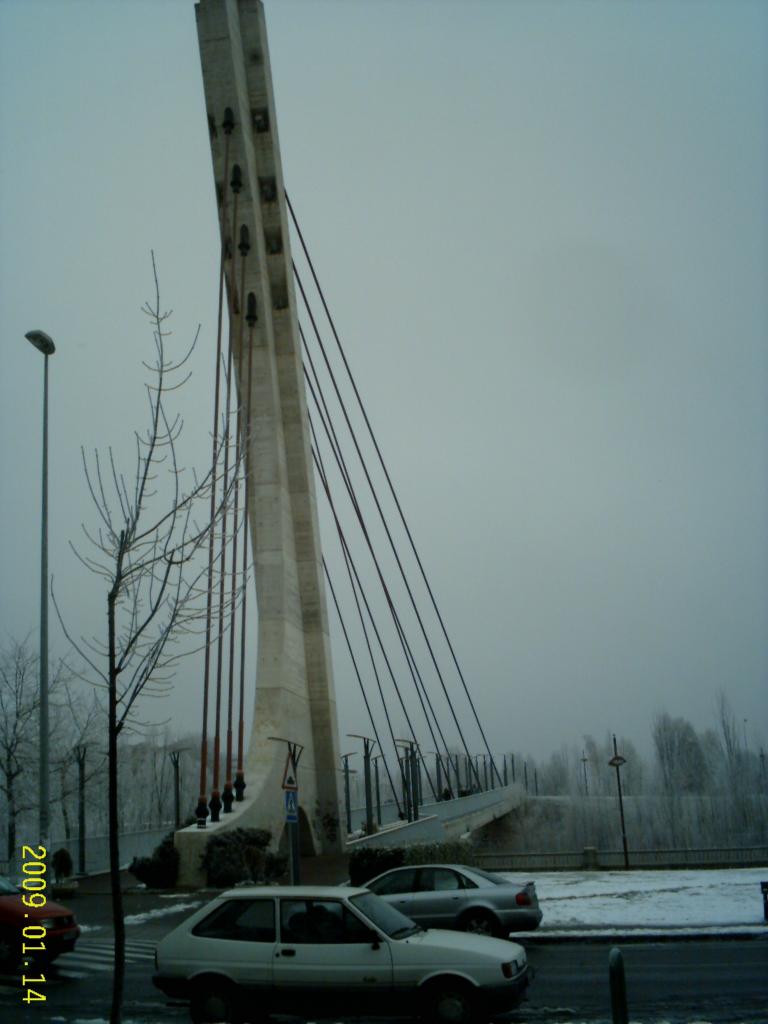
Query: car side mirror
374,939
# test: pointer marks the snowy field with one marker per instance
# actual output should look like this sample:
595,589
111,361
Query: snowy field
721,901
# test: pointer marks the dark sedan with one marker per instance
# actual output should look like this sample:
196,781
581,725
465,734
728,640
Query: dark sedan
460,897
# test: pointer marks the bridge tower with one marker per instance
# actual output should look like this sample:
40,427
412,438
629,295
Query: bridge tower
294,681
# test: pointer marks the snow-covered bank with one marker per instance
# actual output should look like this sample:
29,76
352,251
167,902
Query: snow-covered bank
718,901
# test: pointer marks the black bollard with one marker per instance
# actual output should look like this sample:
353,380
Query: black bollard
618,983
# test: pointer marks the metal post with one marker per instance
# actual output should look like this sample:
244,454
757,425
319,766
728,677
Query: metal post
294,842
405,775
367,783
439,777
175,755
506,777
617,980
512,764
414,766
584,761
378,789
485,772
44,736
347,800
44,343
616,762
80,751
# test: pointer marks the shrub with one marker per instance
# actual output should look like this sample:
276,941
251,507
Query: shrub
62,864
368,862
240,856
161,869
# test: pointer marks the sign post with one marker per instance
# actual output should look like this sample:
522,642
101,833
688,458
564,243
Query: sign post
290,786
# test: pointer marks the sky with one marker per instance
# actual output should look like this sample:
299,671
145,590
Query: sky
541,228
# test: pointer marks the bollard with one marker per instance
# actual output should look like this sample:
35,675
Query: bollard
764,891
618,984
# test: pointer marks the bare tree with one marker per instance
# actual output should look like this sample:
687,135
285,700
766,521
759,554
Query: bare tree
19,730
153,532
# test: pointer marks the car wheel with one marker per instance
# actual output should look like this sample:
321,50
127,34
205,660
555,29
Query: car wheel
10,949
449,1002
482,922
214,1001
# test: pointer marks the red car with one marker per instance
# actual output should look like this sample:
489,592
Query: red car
61,930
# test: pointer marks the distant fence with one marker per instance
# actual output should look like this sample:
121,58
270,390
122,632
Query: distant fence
602,860
132,844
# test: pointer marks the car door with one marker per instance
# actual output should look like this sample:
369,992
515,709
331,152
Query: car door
397,888
240,935
437,901
325,960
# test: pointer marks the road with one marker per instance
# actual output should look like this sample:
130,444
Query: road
722,982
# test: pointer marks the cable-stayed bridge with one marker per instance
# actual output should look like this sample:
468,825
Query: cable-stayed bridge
288,404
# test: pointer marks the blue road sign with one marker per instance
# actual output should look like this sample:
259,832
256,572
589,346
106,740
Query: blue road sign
291,806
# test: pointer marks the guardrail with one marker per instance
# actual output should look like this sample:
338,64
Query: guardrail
601,860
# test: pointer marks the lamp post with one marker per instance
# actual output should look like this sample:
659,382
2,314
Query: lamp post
44,343
616,762
368,745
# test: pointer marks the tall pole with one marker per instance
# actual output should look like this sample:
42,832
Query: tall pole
347,798
175,756
80,755
413,758
616,762
377,787
584,761
368,745
44,727
44,343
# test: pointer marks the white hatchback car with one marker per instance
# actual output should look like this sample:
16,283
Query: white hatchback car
327,950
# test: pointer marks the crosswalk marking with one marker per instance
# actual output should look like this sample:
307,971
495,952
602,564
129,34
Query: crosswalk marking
99,956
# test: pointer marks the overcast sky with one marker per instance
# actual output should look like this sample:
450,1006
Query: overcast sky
542,231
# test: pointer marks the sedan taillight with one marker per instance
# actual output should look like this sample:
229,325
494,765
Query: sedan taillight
523,899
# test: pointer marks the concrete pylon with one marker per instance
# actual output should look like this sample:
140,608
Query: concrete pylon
294,681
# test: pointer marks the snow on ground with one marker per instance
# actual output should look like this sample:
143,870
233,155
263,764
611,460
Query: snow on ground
150,915
716,900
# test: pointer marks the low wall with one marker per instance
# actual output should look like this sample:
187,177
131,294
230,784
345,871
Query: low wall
132,844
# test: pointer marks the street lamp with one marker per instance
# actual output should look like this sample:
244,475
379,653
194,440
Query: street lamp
44,343
616,762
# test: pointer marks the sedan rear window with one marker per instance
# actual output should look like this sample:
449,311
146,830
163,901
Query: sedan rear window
240,920
396,882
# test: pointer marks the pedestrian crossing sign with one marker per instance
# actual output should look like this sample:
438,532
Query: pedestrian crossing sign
289,775
291,806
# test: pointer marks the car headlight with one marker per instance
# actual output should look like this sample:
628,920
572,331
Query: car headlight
513,967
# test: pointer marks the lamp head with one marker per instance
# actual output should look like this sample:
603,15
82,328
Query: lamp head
41,341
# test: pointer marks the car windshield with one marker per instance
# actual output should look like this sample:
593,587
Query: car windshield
7,888
390,921
490,877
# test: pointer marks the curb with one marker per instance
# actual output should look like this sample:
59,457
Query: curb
748,932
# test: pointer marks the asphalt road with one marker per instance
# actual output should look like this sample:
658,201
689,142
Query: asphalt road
722,982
